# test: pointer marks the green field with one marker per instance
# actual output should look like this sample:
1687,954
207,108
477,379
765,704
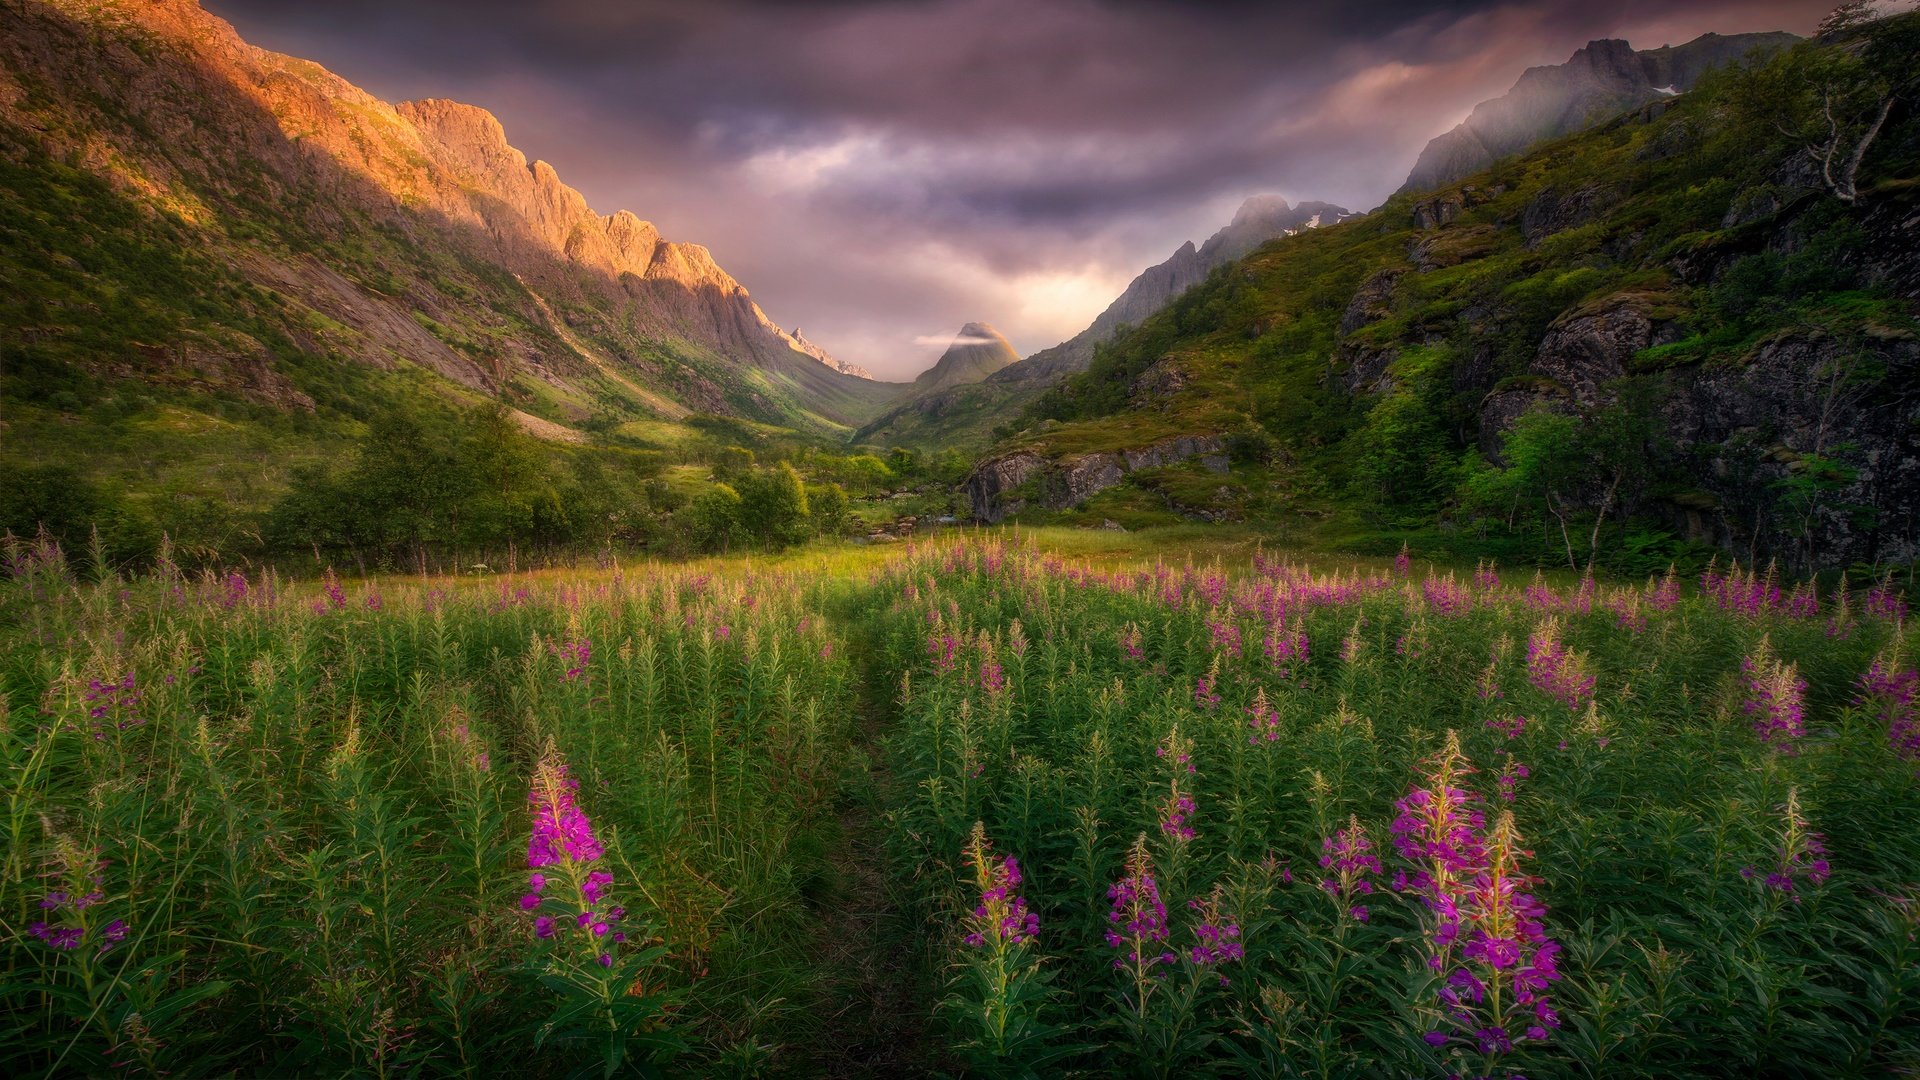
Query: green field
365,826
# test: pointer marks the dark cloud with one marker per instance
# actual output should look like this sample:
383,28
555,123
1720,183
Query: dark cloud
885,170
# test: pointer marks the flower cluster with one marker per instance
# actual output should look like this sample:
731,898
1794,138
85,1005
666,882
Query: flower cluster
1216,937
1509,778
1486,575
1130,639
1263,719
1742,592
1287,649
1510,726
575,655
79,884
563,842
1445,596
1665,595
1884,601
1001,917
1348,858
1496,996
945,650
1403,562
1892,691
113,704
1555,669
1137,919
1776,698
1437,833
1225,635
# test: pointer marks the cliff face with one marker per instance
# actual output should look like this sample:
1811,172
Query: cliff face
1602,80
1259,219
412,232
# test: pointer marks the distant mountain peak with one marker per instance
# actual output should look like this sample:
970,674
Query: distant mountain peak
977,351
1603,78
799,341
1260,218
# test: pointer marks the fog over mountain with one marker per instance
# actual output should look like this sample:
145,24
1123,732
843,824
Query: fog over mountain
883,171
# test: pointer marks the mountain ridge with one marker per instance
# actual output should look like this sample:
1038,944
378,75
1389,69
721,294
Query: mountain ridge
1601,79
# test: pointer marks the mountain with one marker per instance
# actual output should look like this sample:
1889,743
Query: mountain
978,351
207,225
799,341
1665,332
965,416
1602,80
1259,219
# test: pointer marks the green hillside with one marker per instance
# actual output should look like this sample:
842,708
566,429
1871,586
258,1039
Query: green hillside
1670,324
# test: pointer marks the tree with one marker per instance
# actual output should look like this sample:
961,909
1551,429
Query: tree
774,506
713,522
830,509
1834,100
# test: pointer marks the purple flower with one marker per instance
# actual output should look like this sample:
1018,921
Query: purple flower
1001,918
1776,698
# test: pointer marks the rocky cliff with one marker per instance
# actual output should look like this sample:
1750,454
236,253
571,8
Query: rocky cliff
1602,80
357,231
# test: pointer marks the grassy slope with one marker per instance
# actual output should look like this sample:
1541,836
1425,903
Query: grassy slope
1260,344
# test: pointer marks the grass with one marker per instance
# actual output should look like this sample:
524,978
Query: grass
297,815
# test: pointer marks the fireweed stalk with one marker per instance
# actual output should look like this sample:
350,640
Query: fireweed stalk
1776,698
1496,997
1557,670
562,852
1347,857
1006,990
1891,692
1801,858
1437,835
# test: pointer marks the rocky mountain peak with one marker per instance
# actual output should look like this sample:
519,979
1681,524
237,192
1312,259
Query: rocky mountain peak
1602,79
978,351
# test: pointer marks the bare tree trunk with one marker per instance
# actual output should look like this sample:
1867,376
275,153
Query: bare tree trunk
1565,537
1606,504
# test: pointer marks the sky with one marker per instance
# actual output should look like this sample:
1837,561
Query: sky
880,172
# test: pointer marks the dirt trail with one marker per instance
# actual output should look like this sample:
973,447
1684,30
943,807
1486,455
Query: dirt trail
875,1005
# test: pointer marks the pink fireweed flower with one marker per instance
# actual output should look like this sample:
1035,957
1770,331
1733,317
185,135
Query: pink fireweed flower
1130,643
1287,649
1137,918
1001,918
113,705
1488,683
1495,997
336,595
1891,691
562,851
1557,670
1509,778
1225,635
1403,562
1445,596
233,590
1216,936
1665,595
1204,693
1884,601
945,650
1804,601
1177,808
1801,857
1486,576
1348,858
1510,726
1776,698
1263,719
1437,833
78,876
574,654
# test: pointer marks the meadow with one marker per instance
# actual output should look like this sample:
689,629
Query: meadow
1002,805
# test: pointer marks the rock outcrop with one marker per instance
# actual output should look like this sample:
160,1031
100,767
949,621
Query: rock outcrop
1605,78
1002,486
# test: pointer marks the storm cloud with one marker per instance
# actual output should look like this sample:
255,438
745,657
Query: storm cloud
879,172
